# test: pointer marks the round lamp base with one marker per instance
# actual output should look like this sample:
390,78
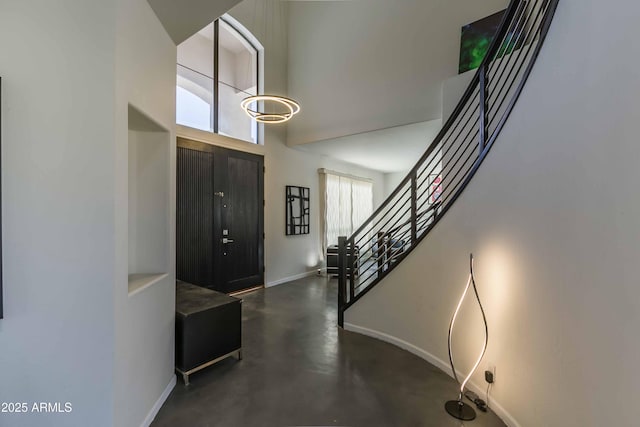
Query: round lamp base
460,410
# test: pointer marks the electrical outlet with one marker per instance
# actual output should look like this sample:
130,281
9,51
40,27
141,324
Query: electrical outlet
490,374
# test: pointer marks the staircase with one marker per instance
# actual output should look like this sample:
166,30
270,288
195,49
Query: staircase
440,176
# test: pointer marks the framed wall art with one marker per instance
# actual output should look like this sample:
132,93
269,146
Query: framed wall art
435,188
297,208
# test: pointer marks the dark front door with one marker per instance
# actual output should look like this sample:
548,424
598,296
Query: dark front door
238,202
220,217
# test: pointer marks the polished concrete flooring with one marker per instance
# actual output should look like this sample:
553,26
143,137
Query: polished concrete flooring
300,369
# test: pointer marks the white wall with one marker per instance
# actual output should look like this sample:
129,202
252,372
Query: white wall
144,336
287,256
71,333
358,66
56,340
552,219
452,90
148,201
392,180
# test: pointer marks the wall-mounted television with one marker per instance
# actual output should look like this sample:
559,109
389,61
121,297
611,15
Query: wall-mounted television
476,39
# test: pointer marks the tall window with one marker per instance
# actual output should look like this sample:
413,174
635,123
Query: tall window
218,67
348,202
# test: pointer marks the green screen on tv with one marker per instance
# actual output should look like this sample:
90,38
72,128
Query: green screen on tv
476,39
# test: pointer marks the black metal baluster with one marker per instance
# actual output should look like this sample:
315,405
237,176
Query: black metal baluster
342,262
407,214
351,273
414,209
484,108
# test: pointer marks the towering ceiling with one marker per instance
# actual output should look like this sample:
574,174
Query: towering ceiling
183,18
386,150
363,65
356,66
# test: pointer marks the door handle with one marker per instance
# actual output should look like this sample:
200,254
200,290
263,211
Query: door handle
225,240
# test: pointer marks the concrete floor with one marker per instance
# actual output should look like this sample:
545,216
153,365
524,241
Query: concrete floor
300,369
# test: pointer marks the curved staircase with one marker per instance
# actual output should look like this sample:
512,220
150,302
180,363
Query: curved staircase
440,176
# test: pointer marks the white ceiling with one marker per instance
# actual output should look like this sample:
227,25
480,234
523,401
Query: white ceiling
362,65
183,18
387,150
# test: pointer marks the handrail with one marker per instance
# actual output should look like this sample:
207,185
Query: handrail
454,155
456,112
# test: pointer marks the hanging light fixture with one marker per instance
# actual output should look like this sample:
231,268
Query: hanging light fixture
269,18
288,108
457,408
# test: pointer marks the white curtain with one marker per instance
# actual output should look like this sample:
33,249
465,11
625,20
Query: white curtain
348,202
361,202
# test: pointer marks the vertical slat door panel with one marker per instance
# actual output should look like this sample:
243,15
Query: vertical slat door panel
194,217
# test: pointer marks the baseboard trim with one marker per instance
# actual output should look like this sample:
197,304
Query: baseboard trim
435,361
291,278
156,407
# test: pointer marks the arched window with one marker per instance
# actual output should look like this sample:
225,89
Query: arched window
218,67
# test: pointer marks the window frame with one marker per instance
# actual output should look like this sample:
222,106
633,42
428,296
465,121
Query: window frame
252,41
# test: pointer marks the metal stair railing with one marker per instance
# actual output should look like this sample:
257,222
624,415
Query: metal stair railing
447,166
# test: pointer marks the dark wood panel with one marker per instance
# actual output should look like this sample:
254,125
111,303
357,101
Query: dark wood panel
194,217
232,201
243,210
195,145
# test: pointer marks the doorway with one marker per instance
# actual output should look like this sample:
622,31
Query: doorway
219,217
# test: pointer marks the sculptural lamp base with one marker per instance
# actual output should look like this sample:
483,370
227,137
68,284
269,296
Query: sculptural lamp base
460,410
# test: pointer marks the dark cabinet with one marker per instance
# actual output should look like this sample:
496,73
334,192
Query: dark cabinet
208,328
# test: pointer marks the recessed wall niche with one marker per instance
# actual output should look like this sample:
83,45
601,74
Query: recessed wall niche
148,182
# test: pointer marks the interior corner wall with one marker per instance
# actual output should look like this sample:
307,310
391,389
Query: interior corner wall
144,320
453,89
57,335
392,180
288,257
552,219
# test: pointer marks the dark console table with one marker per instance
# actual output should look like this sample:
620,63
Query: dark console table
208,328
